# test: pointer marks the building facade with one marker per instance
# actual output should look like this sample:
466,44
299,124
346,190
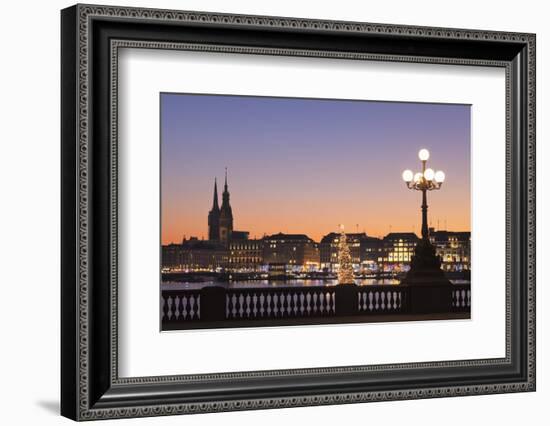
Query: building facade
171,257
454,249
245,255
297,251
397,249
195,255
363,250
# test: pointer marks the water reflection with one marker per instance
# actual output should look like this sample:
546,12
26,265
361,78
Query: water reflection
178,285
182,285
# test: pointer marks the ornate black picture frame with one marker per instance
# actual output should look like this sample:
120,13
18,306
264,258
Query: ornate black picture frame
90,384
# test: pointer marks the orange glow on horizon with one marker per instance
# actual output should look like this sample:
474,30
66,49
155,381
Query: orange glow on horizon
377,220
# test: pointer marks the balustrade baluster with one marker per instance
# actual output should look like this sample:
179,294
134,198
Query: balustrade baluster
262,301
184,307
289,304
268,306
192,306
247,301
227,314
371,297
316,303
169,307
241,305
275,304
234,306
176,307
199,306
254,305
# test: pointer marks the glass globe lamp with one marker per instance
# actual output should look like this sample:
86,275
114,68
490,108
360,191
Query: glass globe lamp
439,176
408,176
423,154
429,174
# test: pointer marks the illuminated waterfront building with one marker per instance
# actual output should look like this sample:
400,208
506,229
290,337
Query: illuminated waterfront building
298,251
396,251
194,255
245,254
454,249
363,249
171,257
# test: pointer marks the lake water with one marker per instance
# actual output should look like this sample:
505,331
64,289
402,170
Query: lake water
181,285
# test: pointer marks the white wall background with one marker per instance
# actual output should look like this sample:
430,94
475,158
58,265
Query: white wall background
29,211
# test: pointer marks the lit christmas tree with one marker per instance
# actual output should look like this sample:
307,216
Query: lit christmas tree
345,271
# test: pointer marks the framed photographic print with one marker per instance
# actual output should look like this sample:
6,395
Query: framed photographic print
299,189
345,211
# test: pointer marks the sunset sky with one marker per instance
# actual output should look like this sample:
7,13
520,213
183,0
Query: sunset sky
307,165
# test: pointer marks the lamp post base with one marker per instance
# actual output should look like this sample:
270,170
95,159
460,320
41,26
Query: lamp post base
425,267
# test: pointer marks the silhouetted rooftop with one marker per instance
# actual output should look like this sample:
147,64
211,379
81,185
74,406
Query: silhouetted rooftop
362,236
401,236
445,235
293,237
202,244
240,235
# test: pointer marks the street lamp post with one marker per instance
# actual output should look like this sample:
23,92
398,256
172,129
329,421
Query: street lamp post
425,265
426,180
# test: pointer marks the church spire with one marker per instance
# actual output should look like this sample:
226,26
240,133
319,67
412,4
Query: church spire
225,186
214,217
226,215
225,195
215,203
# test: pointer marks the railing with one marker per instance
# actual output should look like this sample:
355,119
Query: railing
279,302
380,299
461,297
214,307
180,305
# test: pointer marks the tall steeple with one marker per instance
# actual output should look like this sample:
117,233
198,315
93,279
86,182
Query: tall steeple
215,203
226,214
225,195
214,217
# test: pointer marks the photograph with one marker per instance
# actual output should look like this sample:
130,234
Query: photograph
264,209
281,211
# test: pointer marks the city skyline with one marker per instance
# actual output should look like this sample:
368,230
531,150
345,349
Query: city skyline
303,166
